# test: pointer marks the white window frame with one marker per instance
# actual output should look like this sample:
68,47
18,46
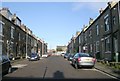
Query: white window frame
1,28
97,29
12,32
107,44
91,48
106,23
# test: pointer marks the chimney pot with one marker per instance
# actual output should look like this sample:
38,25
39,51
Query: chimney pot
101,10
90,21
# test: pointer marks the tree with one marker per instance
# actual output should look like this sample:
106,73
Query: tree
59,49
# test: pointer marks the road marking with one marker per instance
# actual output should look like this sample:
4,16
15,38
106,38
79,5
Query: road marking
107,74
88,69
19,65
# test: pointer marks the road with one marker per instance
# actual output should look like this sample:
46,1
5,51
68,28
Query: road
53,67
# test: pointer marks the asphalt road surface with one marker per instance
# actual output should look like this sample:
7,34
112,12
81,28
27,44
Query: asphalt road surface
53,67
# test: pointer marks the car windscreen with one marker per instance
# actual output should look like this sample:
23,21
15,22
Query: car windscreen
84,55
33,55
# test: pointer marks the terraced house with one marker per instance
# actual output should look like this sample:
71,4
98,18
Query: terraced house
17,40
101,37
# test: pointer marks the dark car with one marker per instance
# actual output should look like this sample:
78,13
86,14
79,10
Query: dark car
83,60
66,55
70,57
5,64
34,57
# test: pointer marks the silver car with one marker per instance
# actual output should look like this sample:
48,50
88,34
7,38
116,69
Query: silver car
83,60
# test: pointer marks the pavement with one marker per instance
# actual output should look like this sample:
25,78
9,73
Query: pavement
107,69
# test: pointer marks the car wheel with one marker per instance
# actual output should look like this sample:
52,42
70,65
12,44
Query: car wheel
92,67
10,70
76,66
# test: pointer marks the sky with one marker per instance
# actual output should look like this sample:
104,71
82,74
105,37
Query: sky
55,22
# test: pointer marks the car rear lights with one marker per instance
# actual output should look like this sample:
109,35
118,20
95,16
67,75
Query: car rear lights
93,59
79,59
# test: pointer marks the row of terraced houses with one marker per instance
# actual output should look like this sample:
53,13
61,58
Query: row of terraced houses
101,37
16,39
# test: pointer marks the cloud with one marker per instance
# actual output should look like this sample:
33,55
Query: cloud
94,6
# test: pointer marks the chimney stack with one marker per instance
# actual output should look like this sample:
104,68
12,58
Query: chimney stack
101,10
90,21
77,33
14,18
111,3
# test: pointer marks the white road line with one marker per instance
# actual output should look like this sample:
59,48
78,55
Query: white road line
88,69
107,74
19,65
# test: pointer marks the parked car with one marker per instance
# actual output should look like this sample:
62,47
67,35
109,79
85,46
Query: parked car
34,57
83,60
62,54
70,57
5,64
10,56
66,55
45,55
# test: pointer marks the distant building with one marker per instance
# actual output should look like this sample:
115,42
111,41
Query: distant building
61,49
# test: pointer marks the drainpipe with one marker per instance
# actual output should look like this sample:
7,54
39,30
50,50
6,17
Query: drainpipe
112,49
26,44
118,54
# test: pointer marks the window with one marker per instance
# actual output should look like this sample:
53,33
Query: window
1,33
9,15
12,31
19,36
1,28
18,22
90,33
76,55
107,44
35,43
106,21
11,47
97,46
114,20
97,29
91,48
